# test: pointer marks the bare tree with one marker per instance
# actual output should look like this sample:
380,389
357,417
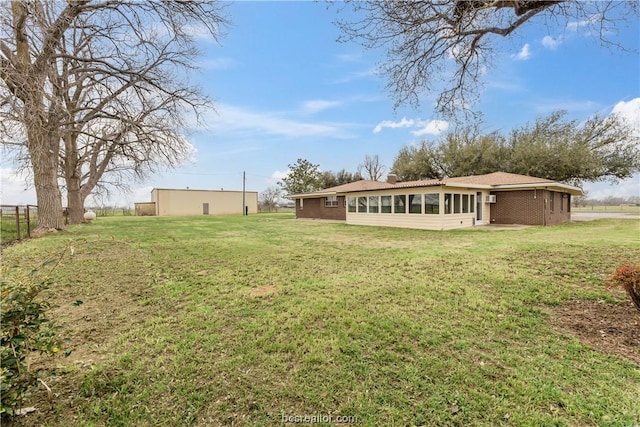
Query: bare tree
120,130
372,167
445,46
96,75
269,199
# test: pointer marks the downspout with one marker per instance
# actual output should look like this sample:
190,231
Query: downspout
544,210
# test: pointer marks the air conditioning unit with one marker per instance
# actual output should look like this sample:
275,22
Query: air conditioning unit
491,198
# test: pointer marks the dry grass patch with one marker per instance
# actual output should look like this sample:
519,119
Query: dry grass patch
262,291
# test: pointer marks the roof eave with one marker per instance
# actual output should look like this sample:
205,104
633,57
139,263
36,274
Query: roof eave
311,195
575,191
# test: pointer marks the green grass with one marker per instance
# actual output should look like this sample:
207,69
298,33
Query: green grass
8,229
395,327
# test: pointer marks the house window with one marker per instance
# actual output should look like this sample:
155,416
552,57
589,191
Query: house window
568,202
472,203
561,202
373,204
331,202
432,203
465,203
447,203
351,204
400,204
552,195
415,203
362,205
456,203
301,204
385,205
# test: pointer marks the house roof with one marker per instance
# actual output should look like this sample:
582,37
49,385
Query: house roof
492,181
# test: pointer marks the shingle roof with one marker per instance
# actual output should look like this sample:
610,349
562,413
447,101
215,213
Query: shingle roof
362,185
499,178
495,179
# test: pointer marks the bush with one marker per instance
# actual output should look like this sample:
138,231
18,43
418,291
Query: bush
628,278
25,329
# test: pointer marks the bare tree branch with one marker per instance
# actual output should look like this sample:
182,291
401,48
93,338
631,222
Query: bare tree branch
443,47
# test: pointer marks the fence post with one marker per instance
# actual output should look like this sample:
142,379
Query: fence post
26,214
18,222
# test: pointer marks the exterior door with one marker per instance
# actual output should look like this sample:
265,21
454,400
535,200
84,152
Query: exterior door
478,208
205,209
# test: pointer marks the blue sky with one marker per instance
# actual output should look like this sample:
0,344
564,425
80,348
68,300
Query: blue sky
285,89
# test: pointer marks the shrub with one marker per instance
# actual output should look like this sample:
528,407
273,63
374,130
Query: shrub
628,278
25,329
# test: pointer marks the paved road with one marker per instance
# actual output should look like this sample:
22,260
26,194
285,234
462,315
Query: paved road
590,216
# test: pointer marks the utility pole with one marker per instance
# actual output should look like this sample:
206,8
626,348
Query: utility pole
244,180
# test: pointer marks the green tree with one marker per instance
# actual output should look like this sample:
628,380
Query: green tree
414,163
330,179
552,147
568,151
303,177
466,152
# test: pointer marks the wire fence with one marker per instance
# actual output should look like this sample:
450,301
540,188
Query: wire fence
17,222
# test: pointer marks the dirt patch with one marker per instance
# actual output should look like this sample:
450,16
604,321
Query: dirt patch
608,328
262,291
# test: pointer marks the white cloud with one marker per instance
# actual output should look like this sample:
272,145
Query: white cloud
316,105
433,127
244,122
404,123
574,25
14,188
551,43
202,33
355,75
277,176
630,112
524,54
424,127
625,188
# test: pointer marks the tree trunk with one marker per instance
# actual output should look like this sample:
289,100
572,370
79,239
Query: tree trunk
72,177
43,151
75,201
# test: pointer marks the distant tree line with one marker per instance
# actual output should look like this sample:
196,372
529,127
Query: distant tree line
584,201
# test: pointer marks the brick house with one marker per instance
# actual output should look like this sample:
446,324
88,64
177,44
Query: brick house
442,204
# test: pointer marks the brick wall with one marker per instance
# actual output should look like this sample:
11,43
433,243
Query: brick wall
561,208
315,208
530,207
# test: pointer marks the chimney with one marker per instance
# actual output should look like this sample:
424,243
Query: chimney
391,178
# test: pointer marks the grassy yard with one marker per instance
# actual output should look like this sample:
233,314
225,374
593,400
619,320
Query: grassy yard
8,227
246,320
